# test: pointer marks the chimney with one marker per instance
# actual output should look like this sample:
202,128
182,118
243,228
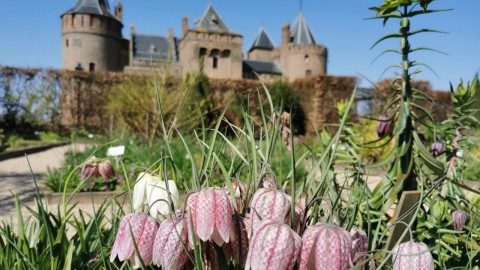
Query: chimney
184,25
119,12
170,33
285,34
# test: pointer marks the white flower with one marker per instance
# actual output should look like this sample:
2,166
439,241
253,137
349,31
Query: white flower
151,190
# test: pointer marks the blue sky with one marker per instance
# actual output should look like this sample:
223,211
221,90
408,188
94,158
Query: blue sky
31,31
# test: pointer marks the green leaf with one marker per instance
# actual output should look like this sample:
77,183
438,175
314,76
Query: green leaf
395,35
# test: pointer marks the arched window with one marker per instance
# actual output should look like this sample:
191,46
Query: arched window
202,52
226,53
307,59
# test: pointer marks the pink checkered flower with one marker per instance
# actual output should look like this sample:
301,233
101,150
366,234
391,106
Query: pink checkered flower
170,242
325,246
412,255
459,218
143,229
90,169
267,203
273,246
240,194
211,212
359,245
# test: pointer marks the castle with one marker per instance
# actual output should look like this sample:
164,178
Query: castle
92,41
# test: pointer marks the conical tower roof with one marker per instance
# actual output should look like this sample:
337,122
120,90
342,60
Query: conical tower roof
262,41
301,34
92,7
212,22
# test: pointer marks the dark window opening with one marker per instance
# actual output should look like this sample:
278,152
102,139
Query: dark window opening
92,21
91,67
308,72
215,62
73,20
214,53
307,58
226,53
66,43
82,22
202,52
79,67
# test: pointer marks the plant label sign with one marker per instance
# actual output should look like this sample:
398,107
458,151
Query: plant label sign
115,151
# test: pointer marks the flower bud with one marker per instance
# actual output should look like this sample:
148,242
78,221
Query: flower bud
436,148
106,170
384,126
459,217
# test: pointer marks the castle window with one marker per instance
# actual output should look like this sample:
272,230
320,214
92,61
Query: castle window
306,59
77,42
214,53
202,52
92,23
215,62
226,53
91,67
73,20
79,67
308,72
66,43
82,20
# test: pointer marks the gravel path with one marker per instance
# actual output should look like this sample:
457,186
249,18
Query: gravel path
16,176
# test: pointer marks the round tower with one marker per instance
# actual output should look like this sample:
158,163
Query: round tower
92,37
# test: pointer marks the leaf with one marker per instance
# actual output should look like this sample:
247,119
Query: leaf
434,165
395,35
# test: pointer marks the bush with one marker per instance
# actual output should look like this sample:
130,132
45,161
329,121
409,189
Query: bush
283,94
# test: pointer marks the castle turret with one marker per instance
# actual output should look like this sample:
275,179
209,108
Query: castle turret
303,56
211,47
92,37
262,47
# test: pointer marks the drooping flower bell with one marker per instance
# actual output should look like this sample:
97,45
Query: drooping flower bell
105,169
170,242
143,228
459,218
436,148
412,255
359,245
272,204
239,192
154,192
384,126
211,212
325,246
273,246
90,169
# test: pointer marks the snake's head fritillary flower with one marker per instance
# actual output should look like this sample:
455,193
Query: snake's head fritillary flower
270,204
211,212
459,218
170,242
411,255
90,169
154,192
297,218
359,245
239,192
325,246
238,248
436,148
105,169
143,228
274,245
384,126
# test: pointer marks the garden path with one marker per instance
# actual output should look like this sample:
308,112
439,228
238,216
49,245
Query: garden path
16,176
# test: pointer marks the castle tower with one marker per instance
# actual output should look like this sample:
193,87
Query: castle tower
211,47
302,56
262,47
92,37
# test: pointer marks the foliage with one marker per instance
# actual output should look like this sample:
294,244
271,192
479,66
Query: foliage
284,95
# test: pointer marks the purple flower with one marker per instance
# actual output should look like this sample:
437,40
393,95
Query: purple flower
359,245
170,242
105,169
384,126
411,255
270,204
459,217
436,148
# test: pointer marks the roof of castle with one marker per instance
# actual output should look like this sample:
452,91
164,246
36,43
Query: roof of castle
154,48
262,41
93,7
261,67
301,34
212,22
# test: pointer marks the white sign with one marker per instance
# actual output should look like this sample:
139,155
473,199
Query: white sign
116,151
